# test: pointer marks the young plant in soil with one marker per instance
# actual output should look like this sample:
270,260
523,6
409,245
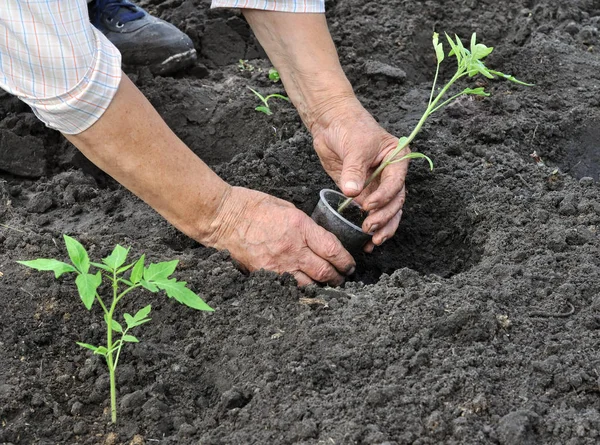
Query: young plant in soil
264,108
153,277
469,64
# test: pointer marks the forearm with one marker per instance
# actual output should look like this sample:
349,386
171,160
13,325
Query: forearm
301,48
134,145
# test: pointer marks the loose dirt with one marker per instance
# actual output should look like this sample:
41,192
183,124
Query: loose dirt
439,339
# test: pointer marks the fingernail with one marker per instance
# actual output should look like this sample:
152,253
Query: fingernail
351,185
374,228
373,206
351,271
383,240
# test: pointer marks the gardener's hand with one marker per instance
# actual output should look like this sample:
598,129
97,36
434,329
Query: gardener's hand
348,140
264,232
351,145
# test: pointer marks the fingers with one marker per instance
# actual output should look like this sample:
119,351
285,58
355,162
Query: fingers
385,233
302,278
391,183
318,269
379,218
326,246
354,173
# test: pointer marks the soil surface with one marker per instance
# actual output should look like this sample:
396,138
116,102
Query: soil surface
450,332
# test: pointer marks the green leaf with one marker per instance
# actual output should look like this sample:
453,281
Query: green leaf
454,51
117,257
274,75
138,270
142,313
479,50
87,346
131,323
130,339
160,270
278,96
148,286
459,46
77,253
260,96
101,350
58,267
101,266
415,155
179,291
114,324
439,48
87,284
125,268
265,110
511,78
476,91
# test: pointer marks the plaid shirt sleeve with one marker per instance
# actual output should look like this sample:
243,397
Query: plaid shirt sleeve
314,6
53,59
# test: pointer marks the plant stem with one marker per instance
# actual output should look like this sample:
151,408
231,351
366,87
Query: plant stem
109,354
403,143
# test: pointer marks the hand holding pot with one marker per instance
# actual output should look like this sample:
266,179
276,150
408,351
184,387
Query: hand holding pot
261,231
350,145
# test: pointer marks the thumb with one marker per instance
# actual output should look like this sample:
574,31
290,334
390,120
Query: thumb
354,173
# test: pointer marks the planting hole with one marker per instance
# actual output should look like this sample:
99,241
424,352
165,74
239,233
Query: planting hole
434,236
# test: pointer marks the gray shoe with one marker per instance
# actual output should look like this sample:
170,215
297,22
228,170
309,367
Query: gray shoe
142,39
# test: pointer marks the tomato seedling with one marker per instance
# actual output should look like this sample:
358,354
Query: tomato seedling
264,108
469,64
274,75
153,277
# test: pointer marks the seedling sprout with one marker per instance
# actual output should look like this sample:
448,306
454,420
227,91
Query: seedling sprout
469,64
265,100
153,277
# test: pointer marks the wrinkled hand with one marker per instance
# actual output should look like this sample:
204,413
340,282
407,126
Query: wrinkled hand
264,232
351,145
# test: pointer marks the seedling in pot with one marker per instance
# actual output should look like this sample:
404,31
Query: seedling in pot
264,108
153,277
469,64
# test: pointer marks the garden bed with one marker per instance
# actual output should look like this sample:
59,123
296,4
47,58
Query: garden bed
450,332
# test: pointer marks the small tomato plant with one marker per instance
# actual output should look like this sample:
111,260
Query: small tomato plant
274,75
264,108
153,277
470,63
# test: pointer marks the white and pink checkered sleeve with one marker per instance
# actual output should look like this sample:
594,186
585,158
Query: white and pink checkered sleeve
53,59
314,6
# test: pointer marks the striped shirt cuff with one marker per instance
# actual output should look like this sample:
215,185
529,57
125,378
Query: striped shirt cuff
79,108
304,6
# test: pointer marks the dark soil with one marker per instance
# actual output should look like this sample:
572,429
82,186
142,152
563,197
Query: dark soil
442,338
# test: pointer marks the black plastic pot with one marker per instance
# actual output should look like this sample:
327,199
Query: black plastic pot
326,215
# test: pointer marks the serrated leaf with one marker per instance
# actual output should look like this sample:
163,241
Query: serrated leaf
87,284
142,313
117,257
476,91
265,110
88,346
125,268
439,48
58,267
138,270
148,286
159,271
179,291
130,339
78,254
